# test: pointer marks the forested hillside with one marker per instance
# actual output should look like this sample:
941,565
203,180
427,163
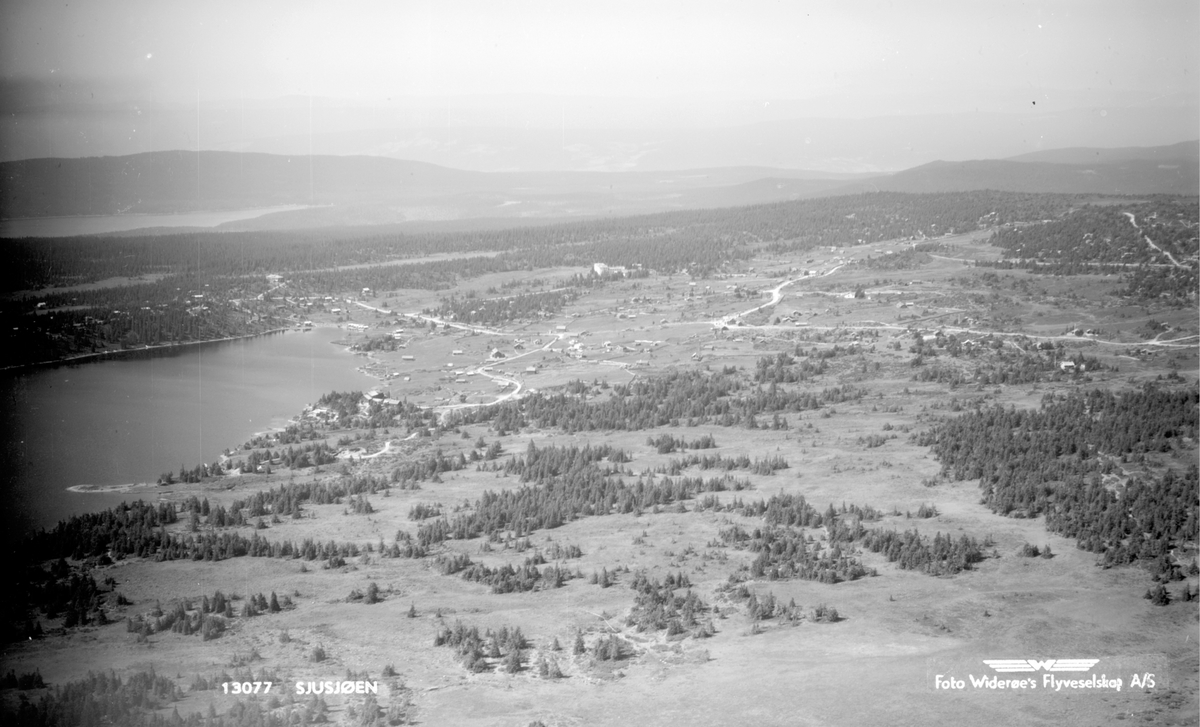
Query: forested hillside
1068,461
214,285
1156,244
842,220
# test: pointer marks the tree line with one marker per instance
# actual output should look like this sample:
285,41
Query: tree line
1064,460
1098,239
233,266
696,397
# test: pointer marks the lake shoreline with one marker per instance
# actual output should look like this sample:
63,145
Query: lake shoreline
135,418
133,487
125,352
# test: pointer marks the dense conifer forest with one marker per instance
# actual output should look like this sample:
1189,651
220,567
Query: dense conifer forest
839,220
1068,459
1152,244
690,397
210,286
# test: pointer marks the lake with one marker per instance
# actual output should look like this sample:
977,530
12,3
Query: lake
103,224
128,420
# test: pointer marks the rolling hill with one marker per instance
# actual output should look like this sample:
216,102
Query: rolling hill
1173,169
363,190
1092,155
378,189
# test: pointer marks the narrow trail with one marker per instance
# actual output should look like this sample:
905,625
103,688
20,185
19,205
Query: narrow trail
952,259
447,408
776,295
1133,221
438,321
262,296
387,447
518,384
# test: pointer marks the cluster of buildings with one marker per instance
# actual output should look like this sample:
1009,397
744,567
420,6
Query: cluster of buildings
600,269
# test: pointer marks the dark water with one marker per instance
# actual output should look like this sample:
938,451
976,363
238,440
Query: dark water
130,420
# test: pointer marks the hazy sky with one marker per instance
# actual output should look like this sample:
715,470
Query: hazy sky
578,84
723,50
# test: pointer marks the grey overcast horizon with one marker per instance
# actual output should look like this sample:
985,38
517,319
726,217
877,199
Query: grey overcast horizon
604,81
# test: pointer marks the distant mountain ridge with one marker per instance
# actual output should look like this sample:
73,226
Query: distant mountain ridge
179,181
1092,155
364,190
843,131
1173,169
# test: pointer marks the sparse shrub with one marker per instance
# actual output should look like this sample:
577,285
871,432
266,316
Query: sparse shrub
1158,595
212,627
826,614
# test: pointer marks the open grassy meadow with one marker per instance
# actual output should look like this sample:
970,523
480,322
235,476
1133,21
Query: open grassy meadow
908,338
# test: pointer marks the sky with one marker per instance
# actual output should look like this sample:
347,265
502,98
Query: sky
734,50
643,63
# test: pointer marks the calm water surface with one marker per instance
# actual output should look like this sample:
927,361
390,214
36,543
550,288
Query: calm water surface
129,420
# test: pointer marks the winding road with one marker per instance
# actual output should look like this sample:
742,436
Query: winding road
776,296
1133,221
510,380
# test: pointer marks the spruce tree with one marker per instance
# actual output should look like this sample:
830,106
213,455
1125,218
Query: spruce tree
512,662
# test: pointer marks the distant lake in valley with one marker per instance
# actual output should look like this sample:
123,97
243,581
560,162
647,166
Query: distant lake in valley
128,420
102,224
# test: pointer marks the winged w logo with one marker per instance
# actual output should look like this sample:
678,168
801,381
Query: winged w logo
1024,665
